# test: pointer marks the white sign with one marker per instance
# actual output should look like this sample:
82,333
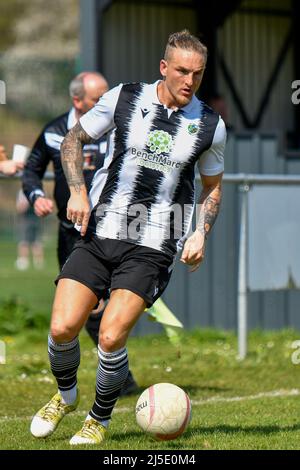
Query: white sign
2,92
20,153
2,353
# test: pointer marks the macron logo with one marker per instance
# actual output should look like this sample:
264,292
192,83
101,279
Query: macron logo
145,112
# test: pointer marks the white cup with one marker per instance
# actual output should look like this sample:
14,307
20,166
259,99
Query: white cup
20,153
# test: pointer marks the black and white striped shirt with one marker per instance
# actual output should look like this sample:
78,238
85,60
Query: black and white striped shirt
145,192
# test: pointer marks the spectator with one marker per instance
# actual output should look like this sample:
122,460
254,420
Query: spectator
8,167
29,235
3,155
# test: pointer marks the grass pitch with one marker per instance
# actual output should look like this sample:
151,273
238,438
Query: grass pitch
253,404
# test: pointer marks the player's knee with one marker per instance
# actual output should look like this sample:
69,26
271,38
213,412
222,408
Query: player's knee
62,332
111,341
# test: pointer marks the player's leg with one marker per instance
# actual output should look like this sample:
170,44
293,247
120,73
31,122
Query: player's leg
122,312
22,261
140,278
35,241
37,249
81,284
67,237
92,326
72,304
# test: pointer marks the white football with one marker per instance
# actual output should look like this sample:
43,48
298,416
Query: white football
164,411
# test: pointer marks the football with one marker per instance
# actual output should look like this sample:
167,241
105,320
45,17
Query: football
164,411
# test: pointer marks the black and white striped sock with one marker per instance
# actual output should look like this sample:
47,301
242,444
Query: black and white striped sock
64,362
111,375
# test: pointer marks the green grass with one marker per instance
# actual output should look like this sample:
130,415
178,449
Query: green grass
34,288
205,366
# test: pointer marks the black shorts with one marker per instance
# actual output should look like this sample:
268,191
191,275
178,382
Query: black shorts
67,237
102,264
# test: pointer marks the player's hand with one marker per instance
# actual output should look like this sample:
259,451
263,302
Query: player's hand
194,251
78,211
9,167
3,154
43,206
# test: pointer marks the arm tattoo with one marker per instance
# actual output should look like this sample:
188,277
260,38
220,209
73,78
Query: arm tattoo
210,200
72,156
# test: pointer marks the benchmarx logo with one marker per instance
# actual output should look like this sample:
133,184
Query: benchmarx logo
159,143
2,92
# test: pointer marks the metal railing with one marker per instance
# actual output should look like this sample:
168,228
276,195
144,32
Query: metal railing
246,181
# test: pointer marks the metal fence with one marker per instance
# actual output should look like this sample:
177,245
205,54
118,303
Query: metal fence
208,298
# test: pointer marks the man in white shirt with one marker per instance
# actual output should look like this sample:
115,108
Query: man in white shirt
156,135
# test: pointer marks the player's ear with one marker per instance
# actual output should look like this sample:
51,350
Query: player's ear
77,102
163,67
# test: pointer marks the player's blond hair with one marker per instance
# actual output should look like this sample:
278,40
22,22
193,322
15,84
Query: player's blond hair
185,40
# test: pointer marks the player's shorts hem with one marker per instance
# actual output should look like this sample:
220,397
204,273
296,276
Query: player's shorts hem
149,301
81,281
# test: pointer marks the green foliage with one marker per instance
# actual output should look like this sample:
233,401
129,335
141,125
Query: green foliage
16,316
34,288
41,84
10,11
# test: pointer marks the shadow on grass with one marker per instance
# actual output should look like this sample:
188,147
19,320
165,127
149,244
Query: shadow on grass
137,392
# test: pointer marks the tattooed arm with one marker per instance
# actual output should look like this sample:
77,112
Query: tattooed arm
78,210
209,205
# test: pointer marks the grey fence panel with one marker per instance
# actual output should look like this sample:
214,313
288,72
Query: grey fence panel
248,161
225,235
274,310
271,161
293,300
255,317
199,297
293,308
145,327
273,304
293,167
134,36
208,297
248,157
178,297
223,262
